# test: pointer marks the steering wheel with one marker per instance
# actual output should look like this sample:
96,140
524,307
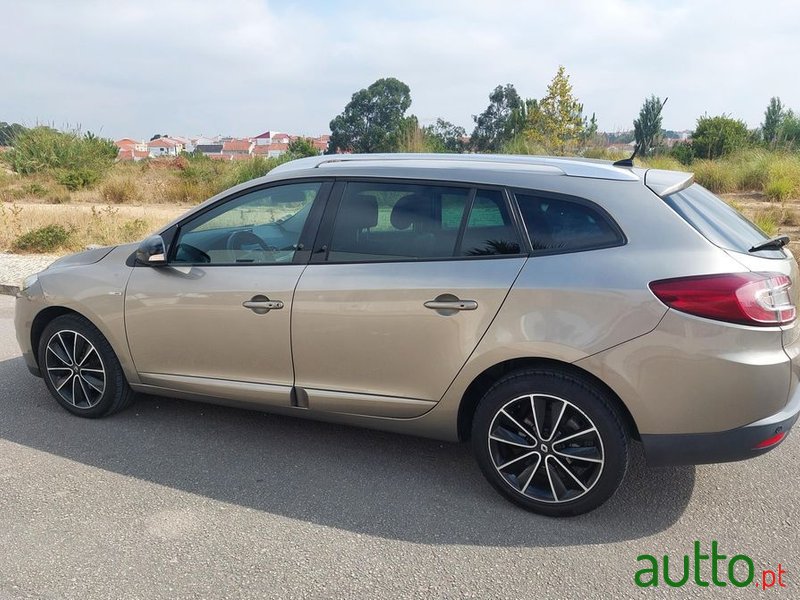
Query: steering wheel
238,238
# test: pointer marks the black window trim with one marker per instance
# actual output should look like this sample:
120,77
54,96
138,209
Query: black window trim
325,232
622,239
305,242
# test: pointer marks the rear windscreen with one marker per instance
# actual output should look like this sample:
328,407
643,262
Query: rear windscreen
719,223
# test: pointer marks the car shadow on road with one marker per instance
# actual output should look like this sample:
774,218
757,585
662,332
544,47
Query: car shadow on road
368,482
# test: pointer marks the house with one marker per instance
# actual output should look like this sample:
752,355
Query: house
164,147
209,149
132,154
272,150
239,147
269,137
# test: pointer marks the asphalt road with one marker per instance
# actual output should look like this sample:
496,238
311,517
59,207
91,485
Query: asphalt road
172,499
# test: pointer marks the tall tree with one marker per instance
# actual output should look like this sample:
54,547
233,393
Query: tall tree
443,136
647,128
557,122
496,125
773,118
373,120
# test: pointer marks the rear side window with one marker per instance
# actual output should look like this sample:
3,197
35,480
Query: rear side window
559,225
490,230
717,222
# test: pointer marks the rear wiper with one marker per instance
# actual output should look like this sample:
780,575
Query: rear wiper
775,243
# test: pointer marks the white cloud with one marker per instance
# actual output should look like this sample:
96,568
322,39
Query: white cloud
241,66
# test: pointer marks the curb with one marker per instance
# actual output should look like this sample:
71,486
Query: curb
9,290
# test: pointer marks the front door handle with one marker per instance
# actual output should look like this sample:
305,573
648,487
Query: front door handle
262,305
448,304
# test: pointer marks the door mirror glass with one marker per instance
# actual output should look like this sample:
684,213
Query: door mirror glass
151,252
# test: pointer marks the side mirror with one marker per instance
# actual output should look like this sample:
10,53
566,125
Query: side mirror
151,252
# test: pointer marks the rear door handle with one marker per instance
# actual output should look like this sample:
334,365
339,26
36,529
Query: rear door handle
262,305
451,304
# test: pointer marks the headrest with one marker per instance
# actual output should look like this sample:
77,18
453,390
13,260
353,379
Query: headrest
409,210
361,210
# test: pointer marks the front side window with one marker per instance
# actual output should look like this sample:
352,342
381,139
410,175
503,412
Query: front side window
565,226
260,227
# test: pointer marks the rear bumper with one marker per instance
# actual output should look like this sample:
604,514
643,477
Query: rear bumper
723,446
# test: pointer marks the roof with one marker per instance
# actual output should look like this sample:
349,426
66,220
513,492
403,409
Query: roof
575,167
162,143
209,148
273,147
236,146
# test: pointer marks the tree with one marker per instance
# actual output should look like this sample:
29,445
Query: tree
718,136
496,125
9,131
373,120
556,121
789,132
443,136
773,118
647,128
302,147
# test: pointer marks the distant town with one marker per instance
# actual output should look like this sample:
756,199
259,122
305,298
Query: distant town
268,144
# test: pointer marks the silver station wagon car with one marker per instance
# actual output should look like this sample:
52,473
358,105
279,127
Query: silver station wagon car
549,311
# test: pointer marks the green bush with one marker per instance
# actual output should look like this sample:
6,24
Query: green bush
779,188
45,239
718,136
77,160
683,153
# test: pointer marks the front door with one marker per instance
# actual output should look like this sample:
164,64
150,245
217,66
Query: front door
413,275
215,321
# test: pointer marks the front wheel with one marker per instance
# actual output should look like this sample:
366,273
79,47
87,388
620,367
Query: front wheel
80,368
550,441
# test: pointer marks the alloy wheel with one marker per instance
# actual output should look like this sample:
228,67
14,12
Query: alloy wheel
75,369
546,448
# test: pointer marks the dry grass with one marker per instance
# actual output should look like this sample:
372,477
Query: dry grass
87,224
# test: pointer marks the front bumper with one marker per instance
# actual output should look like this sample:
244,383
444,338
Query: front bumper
28,304
723,446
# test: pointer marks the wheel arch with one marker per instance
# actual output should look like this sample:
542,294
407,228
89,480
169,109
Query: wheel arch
481,384
42,319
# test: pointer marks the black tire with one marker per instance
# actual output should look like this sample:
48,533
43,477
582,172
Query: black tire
525,460
78,384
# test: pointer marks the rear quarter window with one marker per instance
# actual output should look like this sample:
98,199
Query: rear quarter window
563,225
717,222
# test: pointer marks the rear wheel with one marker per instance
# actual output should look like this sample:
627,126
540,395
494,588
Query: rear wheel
80,368
550,442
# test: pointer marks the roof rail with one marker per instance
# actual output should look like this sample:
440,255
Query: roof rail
575,167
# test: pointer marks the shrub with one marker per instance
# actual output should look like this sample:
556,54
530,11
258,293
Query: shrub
59,197
783,177
77,159
718,136
120,191
44,239
683,153
134,229
714,175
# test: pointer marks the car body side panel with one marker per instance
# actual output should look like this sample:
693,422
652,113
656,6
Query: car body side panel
97,292
695,375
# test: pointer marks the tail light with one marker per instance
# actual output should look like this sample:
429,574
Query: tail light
760,299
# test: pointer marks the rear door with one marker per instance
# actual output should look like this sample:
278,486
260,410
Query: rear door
405,279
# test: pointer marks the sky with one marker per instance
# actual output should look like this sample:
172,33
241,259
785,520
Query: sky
240,67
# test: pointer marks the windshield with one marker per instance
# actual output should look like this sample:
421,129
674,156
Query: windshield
717,222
